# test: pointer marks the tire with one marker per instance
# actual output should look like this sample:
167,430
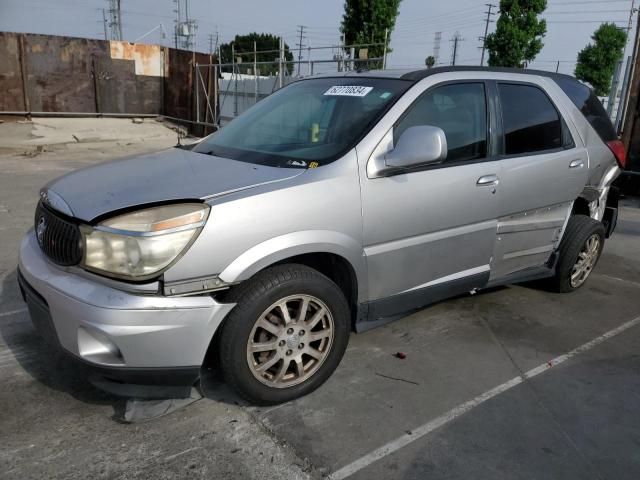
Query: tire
580,230
259,300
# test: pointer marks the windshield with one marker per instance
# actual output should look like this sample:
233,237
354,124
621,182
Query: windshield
306,124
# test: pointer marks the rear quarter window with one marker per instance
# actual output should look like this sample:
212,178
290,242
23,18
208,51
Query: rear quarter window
587,102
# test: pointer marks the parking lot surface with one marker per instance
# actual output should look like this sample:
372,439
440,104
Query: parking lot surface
510,383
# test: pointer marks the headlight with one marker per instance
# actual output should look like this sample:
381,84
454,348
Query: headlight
140,244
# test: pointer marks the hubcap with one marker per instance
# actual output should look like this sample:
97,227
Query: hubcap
290,341
587,259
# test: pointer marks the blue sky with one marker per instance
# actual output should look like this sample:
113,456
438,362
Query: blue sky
570,23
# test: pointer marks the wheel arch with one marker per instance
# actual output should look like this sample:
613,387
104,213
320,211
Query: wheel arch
335,255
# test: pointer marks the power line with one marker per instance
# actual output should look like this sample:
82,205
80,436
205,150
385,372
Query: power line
582,2
624,21
586,12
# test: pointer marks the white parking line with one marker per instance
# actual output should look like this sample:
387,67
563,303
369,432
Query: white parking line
12,312
463,408
618,279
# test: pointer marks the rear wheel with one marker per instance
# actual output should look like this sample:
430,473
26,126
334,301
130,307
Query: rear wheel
286,336
579,252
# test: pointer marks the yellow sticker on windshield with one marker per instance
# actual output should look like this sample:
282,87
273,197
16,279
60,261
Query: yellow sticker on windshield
315,133
313,165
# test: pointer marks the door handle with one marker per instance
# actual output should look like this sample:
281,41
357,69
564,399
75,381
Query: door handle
576,164
488,181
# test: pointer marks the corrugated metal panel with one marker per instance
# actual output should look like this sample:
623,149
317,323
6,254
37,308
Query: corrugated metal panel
11,92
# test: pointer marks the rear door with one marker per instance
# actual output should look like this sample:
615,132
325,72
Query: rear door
544,167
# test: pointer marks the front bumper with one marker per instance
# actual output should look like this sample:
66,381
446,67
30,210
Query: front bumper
132,337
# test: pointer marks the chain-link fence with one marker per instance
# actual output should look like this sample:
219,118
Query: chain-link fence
224,91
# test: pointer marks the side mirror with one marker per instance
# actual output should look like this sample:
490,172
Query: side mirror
419,145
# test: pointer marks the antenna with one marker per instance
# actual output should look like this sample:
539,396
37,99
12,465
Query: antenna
184,28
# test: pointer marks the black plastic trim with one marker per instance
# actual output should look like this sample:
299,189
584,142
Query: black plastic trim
610,220
384,310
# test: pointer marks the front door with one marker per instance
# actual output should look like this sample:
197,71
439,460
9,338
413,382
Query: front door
430,233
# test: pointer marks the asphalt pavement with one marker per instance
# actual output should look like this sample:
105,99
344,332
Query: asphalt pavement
510,383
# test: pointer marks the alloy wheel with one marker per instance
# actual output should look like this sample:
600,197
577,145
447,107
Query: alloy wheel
586,260
290,341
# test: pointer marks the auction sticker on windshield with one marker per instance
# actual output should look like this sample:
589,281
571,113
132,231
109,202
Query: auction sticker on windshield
348,90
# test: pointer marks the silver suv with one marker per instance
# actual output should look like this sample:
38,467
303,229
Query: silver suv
338,203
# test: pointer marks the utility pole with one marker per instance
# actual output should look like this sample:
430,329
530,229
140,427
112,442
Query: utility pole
115,19
211,49
300,45
486,30
176,25
340,56
456,40
281,66
384,54
631,12
255,72
105,23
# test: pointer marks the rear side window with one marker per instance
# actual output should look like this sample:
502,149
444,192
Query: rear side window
531,123
587,102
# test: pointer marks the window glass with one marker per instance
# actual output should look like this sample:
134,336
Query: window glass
310,121
531,122
460,110
589,105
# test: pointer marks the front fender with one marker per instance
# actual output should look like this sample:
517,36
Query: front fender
290,245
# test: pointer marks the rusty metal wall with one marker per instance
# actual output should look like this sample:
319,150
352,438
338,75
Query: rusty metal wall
11,89
180,97
58,72
45,73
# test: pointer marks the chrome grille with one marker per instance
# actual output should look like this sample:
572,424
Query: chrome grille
58,238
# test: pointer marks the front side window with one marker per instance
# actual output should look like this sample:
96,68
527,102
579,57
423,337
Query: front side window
460,110
309,121
531,123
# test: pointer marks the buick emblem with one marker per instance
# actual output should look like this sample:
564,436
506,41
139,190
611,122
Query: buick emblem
40,229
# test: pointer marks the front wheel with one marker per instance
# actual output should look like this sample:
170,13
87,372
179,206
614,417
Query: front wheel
286,335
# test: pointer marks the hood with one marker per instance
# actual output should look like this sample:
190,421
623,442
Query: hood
174,174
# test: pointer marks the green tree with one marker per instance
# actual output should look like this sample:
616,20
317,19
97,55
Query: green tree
430,61
365,21
518,35
597,61
265,42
